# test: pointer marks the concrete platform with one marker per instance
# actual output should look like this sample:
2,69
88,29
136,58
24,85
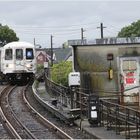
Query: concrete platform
96,132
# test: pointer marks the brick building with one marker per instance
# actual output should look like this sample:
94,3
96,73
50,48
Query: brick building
42,56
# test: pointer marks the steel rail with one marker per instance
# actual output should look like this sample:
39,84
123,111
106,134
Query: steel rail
10,127
47,123
6,123
26,130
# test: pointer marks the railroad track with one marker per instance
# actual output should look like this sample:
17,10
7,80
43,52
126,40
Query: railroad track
24,122
72,130
3,133
5,121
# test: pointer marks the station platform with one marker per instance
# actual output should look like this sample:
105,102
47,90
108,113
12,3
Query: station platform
96,132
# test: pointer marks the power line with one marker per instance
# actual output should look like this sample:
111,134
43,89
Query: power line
48,34
61,33
45,32
46,27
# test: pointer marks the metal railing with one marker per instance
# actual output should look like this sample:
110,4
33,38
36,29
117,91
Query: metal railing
61,93
124,120
68,97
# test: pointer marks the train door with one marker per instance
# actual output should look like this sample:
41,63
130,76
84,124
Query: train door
130,72
19,59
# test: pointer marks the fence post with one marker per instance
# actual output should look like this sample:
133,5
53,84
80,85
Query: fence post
117,121
72,96
137,125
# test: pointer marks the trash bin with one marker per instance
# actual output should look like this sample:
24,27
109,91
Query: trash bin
93,108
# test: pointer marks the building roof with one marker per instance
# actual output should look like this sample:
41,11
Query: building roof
39,52
61,54
105,41
68,55
44,52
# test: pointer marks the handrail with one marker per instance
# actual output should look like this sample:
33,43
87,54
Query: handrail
110,113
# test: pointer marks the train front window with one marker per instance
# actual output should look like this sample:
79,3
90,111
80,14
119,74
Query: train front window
8,54
19,54
29,54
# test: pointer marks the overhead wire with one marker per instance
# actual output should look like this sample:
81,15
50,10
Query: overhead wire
55,29
67,31
42,31
48,27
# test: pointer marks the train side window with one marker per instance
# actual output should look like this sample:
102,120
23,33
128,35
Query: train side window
8,54
29,54
19,54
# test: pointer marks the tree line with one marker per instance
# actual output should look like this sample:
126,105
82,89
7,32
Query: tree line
132,30
7,35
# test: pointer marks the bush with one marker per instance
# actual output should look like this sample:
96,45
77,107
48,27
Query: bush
40,68
60,72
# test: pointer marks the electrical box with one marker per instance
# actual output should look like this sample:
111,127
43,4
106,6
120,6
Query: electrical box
93,106
74,79
46,64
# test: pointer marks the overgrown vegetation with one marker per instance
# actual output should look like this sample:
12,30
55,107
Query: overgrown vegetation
60,72
40,68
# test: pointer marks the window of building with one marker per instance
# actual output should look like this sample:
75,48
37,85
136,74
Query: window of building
129,65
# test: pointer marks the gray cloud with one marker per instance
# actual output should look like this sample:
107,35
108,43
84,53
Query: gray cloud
39,19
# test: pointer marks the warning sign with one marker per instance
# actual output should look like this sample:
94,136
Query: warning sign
130,80
130,74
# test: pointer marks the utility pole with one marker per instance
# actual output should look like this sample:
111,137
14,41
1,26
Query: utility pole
34,42
82,35
51,50
101,27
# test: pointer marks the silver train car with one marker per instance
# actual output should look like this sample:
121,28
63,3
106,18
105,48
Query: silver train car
18,62
110,69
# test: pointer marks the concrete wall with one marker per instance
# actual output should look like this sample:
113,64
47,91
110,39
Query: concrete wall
91,60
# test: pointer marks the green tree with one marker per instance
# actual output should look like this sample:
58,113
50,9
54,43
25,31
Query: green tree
65,45
7,35
132,30
60,72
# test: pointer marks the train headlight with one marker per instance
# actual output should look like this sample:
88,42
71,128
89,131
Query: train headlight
10,65
29,65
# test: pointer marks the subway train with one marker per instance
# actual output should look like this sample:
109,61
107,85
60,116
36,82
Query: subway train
17,62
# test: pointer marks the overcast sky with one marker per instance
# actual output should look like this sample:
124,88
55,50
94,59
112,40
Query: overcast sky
64,19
